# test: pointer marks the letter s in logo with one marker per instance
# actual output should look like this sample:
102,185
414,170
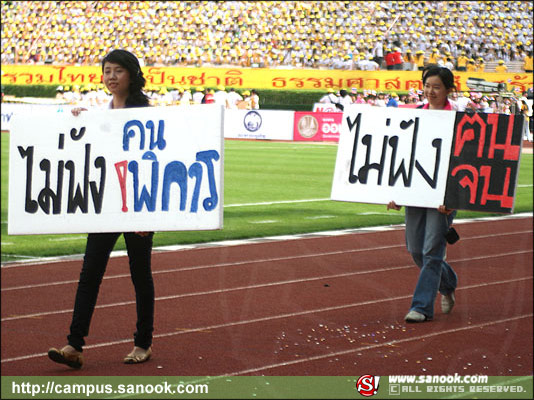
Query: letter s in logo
367,385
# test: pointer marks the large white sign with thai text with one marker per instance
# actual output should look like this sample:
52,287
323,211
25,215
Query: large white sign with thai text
388,154
137,169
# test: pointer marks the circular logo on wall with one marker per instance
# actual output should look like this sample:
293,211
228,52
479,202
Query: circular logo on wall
252,121
308,126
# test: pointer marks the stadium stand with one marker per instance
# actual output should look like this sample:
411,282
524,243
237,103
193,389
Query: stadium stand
299,34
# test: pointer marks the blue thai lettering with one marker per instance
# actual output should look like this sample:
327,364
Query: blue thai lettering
130,133
160,141
147,198
175,172
195,170
207,157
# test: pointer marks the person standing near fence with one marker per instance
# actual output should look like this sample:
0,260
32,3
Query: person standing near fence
254,100
233,98
461,62
398,61
527,62
501,67
426,228
390,60
329,97
124,79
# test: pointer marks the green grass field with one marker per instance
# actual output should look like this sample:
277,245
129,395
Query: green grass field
292,180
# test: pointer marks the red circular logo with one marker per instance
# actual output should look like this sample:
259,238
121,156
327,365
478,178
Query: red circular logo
367,385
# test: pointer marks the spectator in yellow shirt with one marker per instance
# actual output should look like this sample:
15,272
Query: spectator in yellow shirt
471,67
461,63
420,60
480,66
409,60
501,67
433,58
527,62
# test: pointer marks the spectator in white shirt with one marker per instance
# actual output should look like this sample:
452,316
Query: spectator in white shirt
344,98
221,96
186,98
329,97
198,95
233,98
463,101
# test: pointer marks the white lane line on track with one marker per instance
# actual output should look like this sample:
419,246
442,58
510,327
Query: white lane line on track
180,269
258,286
34,261
291,315
229,264
199,267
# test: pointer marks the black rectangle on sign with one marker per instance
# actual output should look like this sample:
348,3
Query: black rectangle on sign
484,162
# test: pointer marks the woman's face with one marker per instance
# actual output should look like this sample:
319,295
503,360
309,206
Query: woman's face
116,79
435,92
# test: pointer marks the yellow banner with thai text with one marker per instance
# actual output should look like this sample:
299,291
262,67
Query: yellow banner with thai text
254,78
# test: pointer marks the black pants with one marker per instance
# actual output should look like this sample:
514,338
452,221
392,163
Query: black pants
97,252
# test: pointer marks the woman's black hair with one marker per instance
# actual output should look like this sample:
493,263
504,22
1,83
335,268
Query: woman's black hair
136,97
444,74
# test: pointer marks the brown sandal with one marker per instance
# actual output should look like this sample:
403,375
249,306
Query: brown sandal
138,355
67,355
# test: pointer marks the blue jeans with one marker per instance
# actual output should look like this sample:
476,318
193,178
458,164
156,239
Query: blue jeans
425,239
97,252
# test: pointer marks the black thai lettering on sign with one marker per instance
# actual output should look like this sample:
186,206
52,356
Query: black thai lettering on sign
77,196
66,191
388,156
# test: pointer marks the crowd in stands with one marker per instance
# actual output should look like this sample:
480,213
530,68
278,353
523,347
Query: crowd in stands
498,103
470,101
92,95
300,34
501,103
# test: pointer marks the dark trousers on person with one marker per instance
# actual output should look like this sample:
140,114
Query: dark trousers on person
97,252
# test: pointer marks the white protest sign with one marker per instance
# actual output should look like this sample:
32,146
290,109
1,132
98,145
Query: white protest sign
392,154
135,169
11,111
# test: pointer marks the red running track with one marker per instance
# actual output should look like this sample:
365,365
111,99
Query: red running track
323,305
